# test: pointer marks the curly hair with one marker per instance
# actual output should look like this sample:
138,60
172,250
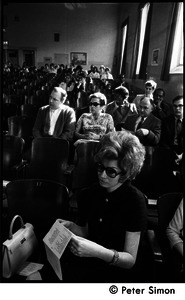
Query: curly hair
124,147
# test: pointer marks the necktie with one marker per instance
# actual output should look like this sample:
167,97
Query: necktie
119,109
178,127
140,123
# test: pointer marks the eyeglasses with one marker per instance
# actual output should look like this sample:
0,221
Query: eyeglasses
94,104
112,173
178,106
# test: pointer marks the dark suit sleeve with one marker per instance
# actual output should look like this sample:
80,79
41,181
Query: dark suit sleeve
38,126
152,139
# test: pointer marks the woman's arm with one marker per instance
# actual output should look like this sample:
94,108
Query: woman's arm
81,231
126,259
79,126
174,229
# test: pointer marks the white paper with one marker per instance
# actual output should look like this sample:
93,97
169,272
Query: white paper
56,240
29,268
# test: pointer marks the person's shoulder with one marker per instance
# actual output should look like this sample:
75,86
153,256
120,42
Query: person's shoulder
65,107
136,194
86,115
110,104
107,115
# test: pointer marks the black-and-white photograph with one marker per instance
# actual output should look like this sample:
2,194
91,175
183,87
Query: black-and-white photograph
92,148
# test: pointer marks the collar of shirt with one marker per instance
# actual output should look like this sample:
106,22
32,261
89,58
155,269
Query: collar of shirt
176,119
116,106
52,111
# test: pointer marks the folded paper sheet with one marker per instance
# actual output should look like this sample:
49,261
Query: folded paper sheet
56,240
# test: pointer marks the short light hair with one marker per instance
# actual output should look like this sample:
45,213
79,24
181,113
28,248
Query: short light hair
151,83
124,147
62,92
101,96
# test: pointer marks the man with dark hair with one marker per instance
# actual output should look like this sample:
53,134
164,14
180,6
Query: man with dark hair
162,108
120,107
172,128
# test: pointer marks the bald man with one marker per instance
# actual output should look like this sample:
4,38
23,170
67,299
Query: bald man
56,119
145,125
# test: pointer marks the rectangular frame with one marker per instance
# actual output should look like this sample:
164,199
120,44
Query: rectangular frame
155,57
78,58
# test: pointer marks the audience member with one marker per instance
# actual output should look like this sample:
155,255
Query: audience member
107,74
150,86
69,85
52,69
175,236
56,119
94,73
91,69
95,124
112,215
102,71
162,108
120,107
121,81
172,128
82,90
145,125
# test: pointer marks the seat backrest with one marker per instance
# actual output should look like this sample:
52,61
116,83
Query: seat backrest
166,206
39,202
49,157
29,110
12,155
84,173
20,126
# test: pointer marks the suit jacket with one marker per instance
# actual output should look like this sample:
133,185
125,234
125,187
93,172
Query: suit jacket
168,135
64,127
118,117
151,123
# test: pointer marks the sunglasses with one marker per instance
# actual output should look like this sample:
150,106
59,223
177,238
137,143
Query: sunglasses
94,104
112,173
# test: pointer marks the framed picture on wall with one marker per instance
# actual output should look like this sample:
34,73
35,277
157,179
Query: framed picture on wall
155,57
79,58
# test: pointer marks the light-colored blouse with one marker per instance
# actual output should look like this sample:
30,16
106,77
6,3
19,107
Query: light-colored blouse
86,124
174,230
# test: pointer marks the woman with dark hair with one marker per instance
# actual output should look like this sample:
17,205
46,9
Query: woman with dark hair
112,215
93,125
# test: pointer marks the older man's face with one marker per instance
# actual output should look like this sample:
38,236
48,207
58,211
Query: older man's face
55,100
145,107
178,108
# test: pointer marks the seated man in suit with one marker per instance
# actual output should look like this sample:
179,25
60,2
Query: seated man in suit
120,107
145,125
56,119
172,129
162,108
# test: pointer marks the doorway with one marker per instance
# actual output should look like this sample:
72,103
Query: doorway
29,57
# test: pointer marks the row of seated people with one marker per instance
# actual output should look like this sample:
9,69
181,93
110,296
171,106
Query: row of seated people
109,231
79,83
61,121
124,115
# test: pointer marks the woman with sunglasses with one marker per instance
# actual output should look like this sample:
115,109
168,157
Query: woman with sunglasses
96,123
112,215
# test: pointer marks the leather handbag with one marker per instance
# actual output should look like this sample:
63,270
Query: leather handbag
18,247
